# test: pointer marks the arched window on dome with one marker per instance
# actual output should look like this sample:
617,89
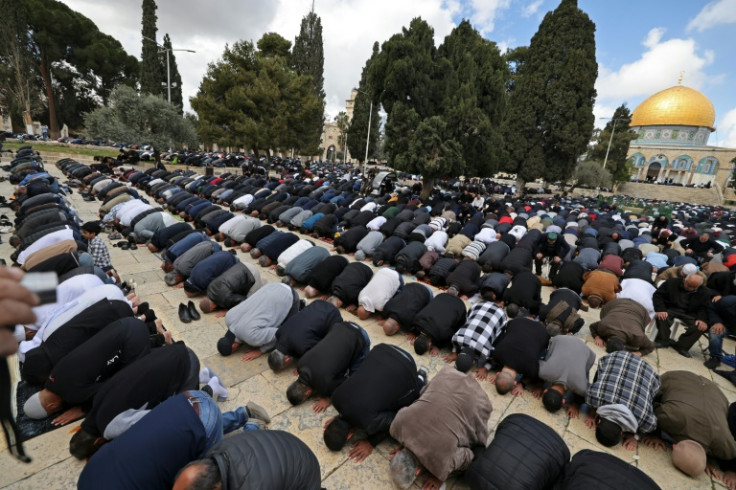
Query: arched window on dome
683,162
638,160
661,159
707,165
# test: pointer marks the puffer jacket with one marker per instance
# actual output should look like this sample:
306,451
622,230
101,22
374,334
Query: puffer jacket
593,469
520,439
268,460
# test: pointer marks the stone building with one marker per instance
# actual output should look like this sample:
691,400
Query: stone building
673,128
331,137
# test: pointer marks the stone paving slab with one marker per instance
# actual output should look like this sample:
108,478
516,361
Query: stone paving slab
53,467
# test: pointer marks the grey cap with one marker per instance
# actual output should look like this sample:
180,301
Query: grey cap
359,255
33,408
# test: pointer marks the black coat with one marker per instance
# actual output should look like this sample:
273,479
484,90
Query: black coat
267,460
351,281
593,469
404,306
520,346
441,318
524,454
302,331
466,277
321,278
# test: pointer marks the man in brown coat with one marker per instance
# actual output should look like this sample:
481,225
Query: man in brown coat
625,320
600,287
691,407
440,429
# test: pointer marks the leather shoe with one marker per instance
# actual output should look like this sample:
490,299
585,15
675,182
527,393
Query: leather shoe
184,313
192,310
683,352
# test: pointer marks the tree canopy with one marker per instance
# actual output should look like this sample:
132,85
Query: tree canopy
358,130
550,117
617,162
62,53
444,105
308,58
151,74
253,98
140,119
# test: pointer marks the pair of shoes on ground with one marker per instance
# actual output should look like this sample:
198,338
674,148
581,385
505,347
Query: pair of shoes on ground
188,312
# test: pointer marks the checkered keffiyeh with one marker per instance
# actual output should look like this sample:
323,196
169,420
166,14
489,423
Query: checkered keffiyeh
98,250
626,379
485,323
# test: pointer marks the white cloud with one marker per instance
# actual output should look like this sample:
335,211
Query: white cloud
726,130
350,27
485,12
713,14
658,67
532,8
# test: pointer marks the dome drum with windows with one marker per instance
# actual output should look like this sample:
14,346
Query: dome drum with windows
678,115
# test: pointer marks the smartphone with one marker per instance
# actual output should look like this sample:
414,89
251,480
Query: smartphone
43,284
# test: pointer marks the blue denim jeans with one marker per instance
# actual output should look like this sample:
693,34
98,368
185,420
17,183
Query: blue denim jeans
216,423
726,310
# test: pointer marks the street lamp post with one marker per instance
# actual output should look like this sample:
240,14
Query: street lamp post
168,65
610,140
368,137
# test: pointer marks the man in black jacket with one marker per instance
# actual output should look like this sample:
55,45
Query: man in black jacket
302,331
685,299
553,247
702,247
326,365
518,351
387,381
255,459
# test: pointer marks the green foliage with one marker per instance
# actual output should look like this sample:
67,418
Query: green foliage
151,70
592,174
140,119
308,58
272,45
62,52
617,163
358,130
176,97
444,105
256,100
550,117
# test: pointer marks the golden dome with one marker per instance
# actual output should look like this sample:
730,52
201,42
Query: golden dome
675,106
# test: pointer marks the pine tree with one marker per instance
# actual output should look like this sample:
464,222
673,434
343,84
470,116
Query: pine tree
176,97
444,105
308,58
150,60
619,145
358,131
550,117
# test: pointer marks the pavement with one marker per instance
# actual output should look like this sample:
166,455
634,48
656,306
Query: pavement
54,468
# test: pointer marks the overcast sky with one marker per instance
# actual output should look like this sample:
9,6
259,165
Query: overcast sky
641,46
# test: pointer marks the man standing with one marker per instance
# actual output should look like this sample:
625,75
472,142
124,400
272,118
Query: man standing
684,299
440,430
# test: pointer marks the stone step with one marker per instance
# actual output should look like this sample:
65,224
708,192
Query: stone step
671,193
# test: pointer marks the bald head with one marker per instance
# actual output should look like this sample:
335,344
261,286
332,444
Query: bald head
692,282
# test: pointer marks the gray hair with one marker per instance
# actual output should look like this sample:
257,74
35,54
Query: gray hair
403,468
554,329
276,360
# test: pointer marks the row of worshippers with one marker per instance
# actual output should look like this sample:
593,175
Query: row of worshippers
100,352
600,264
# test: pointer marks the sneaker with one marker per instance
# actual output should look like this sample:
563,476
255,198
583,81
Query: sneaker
712,363
256,411
729,359
422,374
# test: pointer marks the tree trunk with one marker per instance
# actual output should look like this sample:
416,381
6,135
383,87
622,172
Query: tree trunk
46,75
427,186
520,185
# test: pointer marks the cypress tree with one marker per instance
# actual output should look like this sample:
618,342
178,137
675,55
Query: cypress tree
150,61
176,97
358,131
550,117
308,58
622,137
